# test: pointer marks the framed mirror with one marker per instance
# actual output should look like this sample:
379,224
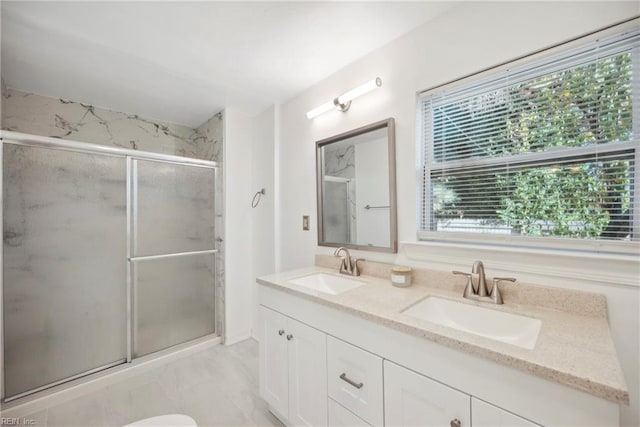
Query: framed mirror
356,180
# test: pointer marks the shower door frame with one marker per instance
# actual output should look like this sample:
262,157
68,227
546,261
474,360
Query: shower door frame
22,139
133,259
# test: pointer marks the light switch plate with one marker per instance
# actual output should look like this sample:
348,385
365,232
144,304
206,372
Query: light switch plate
305,222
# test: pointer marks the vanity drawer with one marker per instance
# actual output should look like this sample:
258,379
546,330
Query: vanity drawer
341,417
355,380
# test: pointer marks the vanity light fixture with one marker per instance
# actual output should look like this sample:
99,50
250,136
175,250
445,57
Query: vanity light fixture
343,102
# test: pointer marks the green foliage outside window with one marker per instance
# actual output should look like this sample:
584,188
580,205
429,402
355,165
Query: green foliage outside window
579,107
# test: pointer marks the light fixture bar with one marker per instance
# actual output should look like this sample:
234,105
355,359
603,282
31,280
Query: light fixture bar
320,110
360,90
343,102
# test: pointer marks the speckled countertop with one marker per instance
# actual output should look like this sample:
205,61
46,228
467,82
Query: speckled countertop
574,346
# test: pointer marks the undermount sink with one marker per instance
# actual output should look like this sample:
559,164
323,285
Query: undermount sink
509,328
327,283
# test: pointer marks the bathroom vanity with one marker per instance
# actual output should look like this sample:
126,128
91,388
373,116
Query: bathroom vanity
357,354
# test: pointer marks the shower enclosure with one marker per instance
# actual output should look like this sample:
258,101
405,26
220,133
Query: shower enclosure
108,255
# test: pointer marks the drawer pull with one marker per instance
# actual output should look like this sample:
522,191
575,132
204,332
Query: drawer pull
455,423
289,337
343,377
281,332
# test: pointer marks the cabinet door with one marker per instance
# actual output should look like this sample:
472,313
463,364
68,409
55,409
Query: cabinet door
307,375
488,415
274,375
411,399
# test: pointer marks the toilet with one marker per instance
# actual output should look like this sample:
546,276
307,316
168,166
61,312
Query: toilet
170,420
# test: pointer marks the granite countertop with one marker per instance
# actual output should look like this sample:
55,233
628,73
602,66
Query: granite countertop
574,346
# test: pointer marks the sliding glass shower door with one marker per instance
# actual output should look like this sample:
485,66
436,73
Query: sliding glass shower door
108,255
64,289
173,251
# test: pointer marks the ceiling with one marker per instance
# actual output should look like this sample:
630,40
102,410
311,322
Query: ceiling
183,61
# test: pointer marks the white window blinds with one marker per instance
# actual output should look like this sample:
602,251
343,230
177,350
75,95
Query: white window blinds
548,149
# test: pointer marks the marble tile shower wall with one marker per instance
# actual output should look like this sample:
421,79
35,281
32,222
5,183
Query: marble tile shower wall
60,118
208,139
341,162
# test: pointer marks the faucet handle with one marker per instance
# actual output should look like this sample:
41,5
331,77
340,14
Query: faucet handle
495,290
468,289
354,264
503,279
461,273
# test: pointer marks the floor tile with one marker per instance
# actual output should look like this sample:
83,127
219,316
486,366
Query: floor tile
85,411
126,404
217,387
37,419
209,405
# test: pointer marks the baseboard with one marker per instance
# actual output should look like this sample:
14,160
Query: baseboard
237,337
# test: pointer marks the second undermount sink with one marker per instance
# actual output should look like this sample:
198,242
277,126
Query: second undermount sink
509,328
327,283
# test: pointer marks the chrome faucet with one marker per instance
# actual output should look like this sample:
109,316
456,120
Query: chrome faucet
477,271
349,264
478,291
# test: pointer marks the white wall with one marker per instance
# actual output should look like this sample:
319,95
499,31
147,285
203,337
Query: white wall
263,220
470,37
238,226
478,35
250,232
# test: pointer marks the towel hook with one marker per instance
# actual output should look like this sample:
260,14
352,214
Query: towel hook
256,198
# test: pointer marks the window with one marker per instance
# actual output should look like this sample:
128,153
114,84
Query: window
549,149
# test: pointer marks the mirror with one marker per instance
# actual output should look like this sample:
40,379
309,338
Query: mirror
356,179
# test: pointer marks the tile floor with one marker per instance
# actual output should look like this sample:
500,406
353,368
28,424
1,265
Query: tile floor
216,387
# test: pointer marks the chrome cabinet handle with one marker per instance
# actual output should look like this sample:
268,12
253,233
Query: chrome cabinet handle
281,332
455,423
343,377
289,337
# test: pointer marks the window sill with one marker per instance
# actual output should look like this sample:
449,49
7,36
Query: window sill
542,265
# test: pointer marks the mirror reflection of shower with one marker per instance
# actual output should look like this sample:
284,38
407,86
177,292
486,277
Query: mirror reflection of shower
340,202
356,189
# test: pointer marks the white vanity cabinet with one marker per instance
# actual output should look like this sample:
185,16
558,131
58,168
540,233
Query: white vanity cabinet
487,415
343,369
293,369
411,399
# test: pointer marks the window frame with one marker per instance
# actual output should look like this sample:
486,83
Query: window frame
561,56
